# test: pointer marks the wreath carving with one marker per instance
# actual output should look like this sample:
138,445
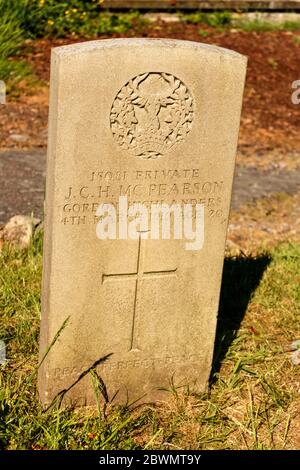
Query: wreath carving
151,113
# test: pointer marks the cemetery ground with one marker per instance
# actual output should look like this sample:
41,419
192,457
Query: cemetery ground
253,401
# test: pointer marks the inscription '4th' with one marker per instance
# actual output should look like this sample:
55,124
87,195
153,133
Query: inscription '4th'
138,275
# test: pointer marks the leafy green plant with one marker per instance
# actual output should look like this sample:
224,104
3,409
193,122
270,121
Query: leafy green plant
203,33
40,18
11,38
217,18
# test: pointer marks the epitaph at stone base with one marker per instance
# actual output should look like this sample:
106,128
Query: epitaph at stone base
156,121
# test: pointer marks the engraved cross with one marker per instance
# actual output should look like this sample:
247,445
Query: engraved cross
138,275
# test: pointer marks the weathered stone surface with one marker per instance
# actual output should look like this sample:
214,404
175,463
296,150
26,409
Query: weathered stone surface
19,230
143,310
19,137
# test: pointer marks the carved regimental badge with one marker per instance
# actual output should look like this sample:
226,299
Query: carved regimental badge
151,113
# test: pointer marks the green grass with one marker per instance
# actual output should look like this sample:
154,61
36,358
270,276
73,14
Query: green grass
226,20
252,402
262,26
11,38
13,72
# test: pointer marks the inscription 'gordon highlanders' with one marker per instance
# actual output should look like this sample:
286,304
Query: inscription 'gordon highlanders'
151,113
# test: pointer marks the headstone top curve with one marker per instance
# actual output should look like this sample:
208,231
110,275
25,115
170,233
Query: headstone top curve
90,46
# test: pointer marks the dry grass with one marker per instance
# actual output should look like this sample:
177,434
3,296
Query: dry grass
253,401
265,223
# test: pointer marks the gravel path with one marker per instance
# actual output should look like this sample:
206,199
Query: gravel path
23,178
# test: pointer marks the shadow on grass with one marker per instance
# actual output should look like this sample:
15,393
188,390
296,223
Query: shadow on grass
241,276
